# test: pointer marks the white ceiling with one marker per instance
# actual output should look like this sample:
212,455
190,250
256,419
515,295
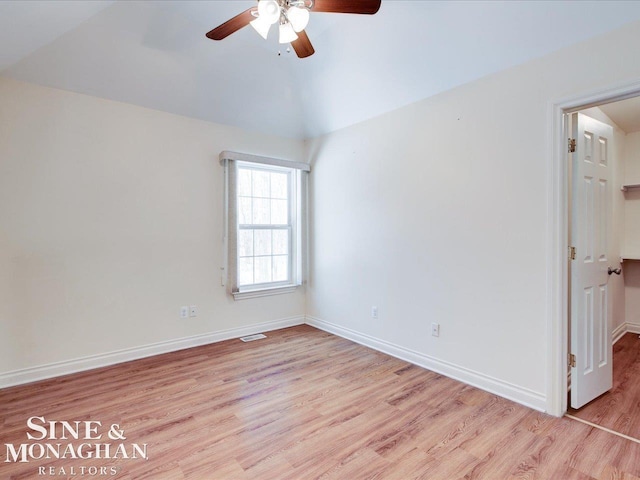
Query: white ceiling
155,54
625,113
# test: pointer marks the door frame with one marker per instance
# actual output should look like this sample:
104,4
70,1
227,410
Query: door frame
558,234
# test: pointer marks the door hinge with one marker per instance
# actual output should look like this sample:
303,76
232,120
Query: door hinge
572,360
572,253
572,145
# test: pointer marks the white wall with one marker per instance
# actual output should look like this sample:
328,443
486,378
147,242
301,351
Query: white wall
632,294
632,158
110,220
632,197
437,212
6,309
632,234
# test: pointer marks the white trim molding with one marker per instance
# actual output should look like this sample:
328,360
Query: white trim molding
518,394
633,328
246,157
42,372
618,333
623,329
264,292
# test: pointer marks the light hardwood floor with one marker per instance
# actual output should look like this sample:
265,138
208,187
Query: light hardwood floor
304,404
619,409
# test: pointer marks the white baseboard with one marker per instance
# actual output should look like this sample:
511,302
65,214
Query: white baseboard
524,396
513,392
633,328
32,374
626,327
618,333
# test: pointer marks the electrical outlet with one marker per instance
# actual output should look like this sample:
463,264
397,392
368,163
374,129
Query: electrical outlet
193,311
374,312
435,329
184,312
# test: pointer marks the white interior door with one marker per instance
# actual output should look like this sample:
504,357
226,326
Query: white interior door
591,213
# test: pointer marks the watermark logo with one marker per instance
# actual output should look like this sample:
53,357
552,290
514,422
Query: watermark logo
77,440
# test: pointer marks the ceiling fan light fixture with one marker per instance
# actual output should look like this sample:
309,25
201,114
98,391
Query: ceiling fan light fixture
261,26
287,33
298,17
269,11
292,17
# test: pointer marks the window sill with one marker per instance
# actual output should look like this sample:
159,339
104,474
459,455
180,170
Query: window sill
264,292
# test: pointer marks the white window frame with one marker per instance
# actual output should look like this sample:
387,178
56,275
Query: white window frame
298,205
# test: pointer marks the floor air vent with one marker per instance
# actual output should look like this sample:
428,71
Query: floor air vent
251,338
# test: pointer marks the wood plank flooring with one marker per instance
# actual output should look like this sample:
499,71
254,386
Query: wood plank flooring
619,409
304,404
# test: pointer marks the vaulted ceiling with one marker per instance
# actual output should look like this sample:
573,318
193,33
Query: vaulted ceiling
155,54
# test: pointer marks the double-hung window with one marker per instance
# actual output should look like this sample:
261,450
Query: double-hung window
265,210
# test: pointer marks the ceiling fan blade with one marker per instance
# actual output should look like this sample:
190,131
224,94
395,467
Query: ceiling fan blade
232,25
302,45
367,7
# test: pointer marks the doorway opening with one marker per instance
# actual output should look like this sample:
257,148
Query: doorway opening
559,221
604,287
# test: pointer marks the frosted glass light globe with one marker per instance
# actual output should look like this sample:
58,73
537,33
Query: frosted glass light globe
299,18
287,34
269,10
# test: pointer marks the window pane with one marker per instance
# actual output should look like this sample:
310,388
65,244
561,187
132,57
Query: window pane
262,270
280,268
261,184
245,271
244,182
280,242
264,246
244,210
245,243
261,214
279,212
279,185
263,242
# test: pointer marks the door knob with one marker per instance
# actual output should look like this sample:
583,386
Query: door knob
616,271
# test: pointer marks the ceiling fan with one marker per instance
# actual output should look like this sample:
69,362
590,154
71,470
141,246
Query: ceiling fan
292,17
